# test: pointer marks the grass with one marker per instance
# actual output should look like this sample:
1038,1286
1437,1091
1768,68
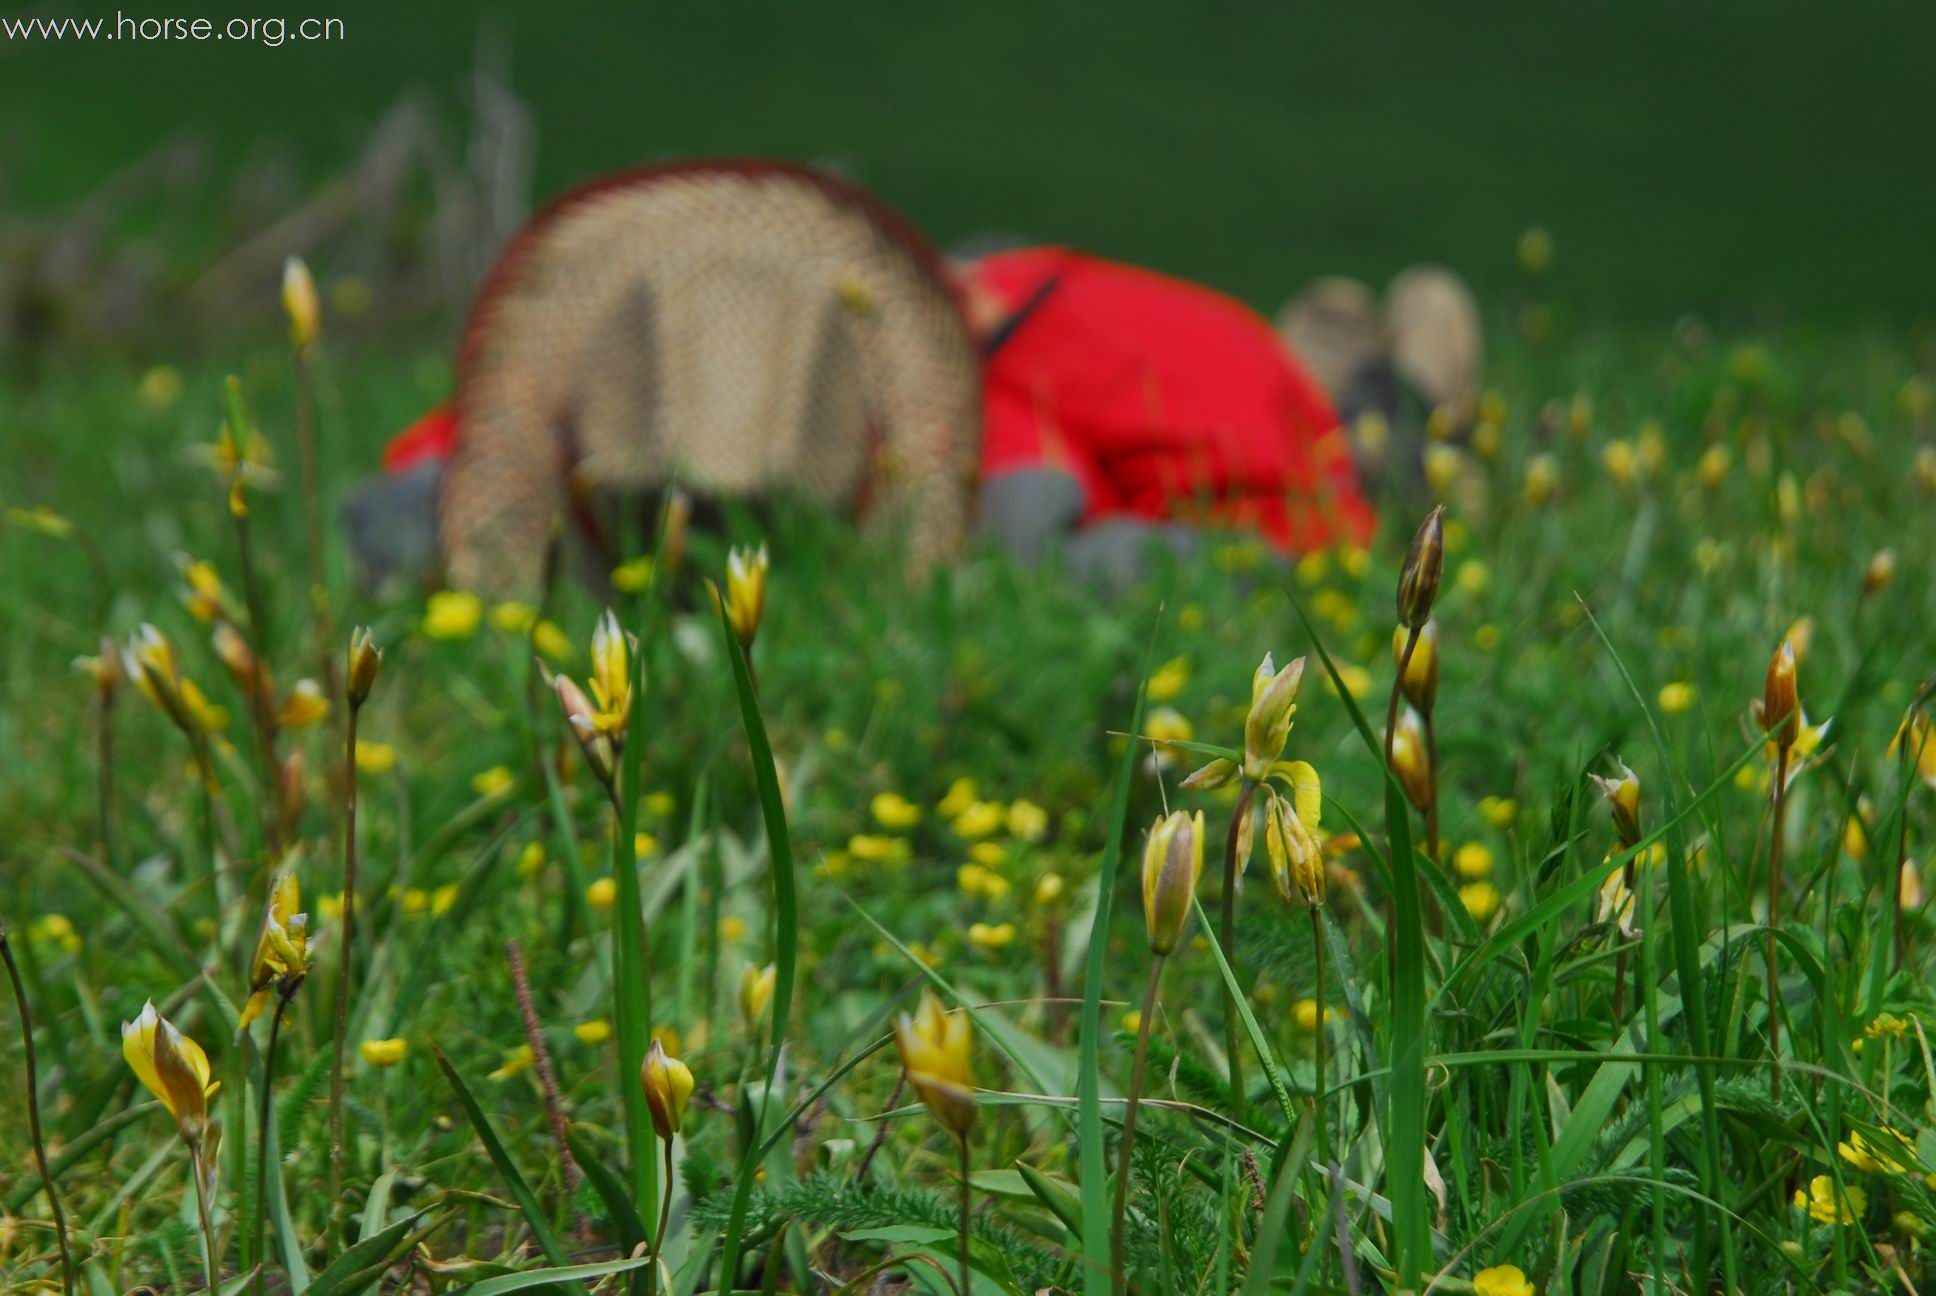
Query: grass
1486,1103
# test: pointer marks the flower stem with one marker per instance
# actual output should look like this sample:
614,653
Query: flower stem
1774,918
665,1218
1317,1087
104,777
33,1112
346,953
1117,1258
197,1172
1227,933
262,1150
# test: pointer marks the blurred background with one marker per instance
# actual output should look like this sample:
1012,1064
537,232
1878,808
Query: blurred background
1761,165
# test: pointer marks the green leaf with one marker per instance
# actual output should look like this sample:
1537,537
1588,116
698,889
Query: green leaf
364,1261
557,1274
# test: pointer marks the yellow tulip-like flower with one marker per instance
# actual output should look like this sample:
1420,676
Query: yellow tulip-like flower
1473,861
281,949
452,614
1172,863
1290,837
756,991
1826,1206
1502,1280
746,592
1267,725
1481,900
1623,795
149,660
304,706
1421,683
202,591
668,1086
593,1032
382,1053
611,678
170,1066
300,303
934,1047
375,757
1615,904
991,936
894,812
1409,760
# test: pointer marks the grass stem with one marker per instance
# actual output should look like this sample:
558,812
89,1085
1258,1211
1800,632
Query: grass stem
33,1112
1119,1262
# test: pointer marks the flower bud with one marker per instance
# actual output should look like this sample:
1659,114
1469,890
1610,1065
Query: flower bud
365,660
1779,712
746,592
1623,796
1421,683
934,1048
1410,760
668,1085
1273,703
1418,580
599,747
299,302
1880,571
1172,863
756,991
1297,860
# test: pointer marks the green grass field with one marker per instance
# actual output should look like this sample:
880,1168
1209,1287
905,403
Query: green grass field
1564,1105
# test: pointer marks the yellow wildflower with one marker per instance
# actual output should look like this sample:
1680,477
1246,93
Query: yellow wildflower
383,1052
452,614
375,758
593,1032
894,812
602,894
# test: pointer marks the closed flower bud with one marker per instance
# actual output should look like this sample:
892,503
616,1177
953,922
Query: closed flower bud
1418,580
1623,796
1273,703
1779,710
366,659
1421,683
601,749
1880,571
170,1066
668,1085
299,302
934,1047
756,991
1172,863
746,592
1409,759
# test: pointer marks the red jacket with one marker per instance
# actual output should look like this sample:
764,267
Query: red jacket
1164,399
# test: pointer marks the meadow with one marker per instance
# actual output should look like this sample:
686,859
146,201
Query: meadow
867,883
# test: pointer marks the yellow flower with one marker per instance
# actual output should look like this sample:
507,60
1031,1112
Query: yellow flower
961,794
1826,1206
1048,889
611,678
1676,697
746,592
304,706
1502,1280
1919,735
1408,758
493,782
1443,464
1172,863
756,990
549,640
516,1062
300,304
1500,812
531,860
1027,820
1305,1014
383,1052
661,804
452,614
513,617
442,899
1542,479
644,844
593,1032
668,1086
1623,795
1290,833
1481,900
415,900
632,577
55,929
894,812
1535,252
979,820
1473,860
1893,1153
1273,706
732,928
281,949
991,936
375,757
1168,680
602,894
1473,576
1166,725
1131,1021
1713,465
935,1050
170,1066
872,848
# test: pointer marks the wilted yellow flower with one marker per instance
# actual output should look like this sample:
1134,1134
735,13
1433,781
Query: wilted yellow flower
746,592
1290,833
170,1066
1172,863
1826,1206
756,990
1676,697
894,812
979,820
1168,680
602,894
668,1086
1481,900
593,1032
1473,860
1502,1280
1027,820
935,1051
452,614
961,794
304,706
375,757
493,782
281,949
990,936
382,1053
